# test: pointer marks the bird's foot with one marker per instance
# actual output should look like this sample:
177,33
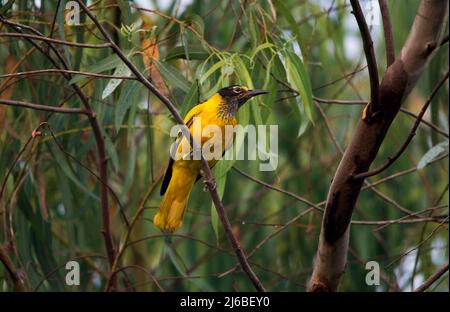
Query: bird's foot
209,185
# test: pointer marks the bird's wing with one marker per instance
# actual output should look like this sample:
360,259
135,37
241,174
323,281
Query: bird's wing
188,120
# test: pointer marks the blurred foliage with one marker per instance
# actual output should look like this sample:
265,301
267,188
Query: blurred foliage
190,49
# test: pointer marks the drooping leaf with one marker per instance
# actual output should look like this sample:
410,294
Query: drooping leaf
211,70
122,70
127,98
286,13
172,76
196,52
299,79
108,63
432,154
190,100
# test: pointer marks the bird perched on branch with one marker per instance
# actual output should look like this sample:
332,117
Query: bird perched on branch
183,172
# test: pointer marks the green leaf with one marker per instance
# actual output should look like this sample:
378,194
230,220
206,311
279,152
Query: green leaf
121,70
252,27
190,100
211,70
112,152
62,161
173,76
281,7
432,154
261,47
108,63
299,79
60,18
196,52
244,77
127,97
197,23
6,7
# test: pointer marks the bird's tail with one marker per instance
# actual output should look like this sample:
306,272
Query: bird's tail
170,214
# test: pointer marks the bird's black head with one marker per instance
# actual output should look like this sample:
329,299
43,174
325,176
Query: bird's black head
239,94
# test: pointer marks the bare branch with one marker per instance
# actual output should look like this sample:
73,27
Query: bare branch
433,278
370,57
55,109
272,187
64,71
388,36
57,41
411,135
363,102
9,266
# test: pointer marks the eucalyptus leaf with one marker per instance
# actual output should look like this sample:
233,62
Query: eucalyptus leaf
127,98
433,153
196,52
122,70
173,76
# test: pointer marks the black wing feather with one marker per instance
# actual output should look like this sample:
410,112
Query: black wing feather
167,177
168,173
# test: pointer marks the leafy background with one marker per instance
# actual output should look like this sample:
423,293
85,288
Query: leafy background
301,51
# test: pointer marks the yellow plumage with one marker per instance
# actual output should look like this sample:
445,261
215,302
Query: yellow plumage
181,174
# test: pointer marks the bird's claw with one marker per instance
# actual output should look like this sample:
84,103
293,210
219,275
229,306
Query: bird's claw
209,185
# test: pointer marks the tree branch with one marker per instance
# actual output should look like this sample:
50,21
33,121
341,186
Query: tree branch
370,57
208,177
62,71
397,83
433,278
280,190
362,102
388,36
411,135
9,266
57,41
55,109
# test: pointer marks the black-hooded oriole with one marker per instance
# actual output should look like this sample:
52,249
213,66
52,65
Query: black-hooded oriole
219,110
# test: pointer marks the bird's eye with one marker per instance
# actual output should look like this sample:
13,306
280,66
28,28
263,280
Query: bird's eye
237,90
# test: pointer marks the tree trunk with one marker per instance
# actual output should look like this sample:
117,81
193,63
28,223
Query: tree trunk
396,85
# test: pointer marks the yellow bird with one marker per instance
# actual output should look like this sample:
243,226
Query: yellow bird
181,174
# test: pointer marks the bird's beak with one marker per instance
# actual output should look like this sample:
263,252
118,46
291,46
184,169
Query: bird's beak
255,92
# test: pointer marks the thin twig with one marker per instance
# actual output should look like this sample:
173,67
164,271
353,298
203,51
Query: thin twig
433,278
363,102
55,109
60,71
57,41
9,266
272,187
370,56
52,28
388,36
